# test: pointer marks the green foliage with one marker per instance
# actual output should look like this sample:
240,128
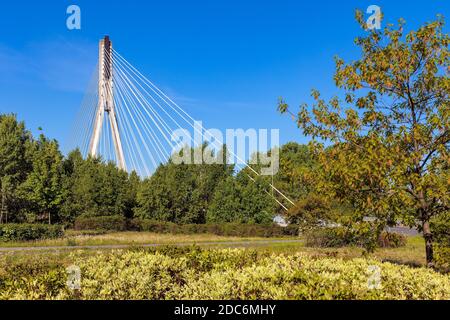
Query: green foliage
440,227
93,188
226,203
29,232
42,188
222,229
342,237
389,154
443,258
257,204
40,185
14,164
110,223
240,200
182,193
295,177
37,184
331,237
392,240
180,274
311,212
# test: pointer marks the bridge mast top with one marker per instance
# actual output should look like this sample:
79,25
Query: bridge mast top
106,102
106,70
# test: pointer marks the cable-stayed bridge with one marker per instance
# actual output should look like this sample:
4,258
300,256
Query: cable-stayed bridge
125,118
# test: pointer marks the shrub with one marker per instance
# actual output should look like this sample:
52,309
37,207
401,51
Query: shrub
330,238
341,237
226,229
153,226
440,227
391,240
110,223
118,223
442,258
220,275
312,211
29,232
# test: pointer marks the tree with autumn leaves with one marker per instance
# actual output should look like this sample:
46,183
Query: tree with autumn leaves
383,146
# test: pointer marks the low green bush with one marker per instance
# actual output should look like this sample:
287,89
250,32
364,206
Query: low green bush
440,227
109,223
226,229
118,223
342,237
219,275
392,240
330,238
29,232
442,258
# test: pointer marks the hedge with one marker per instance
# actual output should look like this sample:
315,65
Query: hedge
226,229
117,223
109,223
29,232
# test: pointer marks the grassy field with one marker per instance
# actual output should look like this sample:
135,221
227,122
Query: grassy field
92,238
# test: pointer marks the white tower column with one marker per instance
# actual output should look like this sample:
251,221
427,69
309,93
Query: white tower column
106,103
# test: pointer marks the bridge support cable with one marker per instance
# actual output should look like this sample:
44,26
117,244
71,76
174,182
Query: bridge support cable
131,107
167,132
134,105
184,115
83,122
125,118
131,127
127,104
138,100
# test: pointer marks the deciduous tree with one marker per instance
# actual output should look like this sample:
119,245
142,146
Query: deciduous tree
390,130
43,185
14,164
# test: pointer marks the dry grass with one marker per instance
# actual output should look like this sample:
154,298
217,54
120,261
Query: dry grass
136,238
413,254
74,238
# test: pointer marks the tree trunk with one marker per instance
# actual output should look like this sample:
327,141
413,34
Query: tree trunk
428,236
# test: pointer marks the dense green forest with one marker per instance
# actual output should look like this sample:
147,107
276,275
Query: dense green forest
39,184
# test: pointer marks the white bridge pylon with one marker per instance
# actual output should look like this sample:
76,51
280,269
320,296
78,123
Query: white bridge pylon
106,103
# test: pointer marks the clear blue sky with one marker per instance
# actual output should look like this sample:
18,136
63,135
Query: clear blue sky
226,62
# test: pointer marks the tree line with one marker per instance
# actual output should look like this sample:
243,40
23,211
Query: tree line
39,184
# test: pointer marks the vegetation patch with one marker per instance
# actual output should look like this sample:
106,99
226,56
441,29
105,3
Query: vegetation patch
342,237
223,229
441,231
192,273
29,232
118,223
109,223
